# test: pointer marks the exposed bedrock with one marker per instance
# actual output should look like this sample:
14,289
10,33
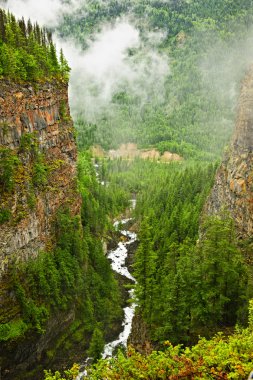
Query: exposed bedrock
233,188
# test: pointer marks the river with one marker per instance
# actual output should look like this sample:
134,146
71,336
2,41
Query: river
118,263
118,259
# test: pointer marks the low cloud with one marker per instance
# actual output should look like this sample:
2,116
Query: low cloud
46,12
225,65
115,61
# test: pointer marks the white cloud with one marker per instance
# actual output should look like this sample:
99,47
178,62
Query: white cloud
45,12
106,67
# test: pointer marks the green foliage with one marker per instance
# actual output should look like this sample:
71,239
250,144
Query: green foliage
5,215
96,345
183,289
64,67
68,375
27,51
145,269
40,172
251,315
74,274
29,143
222,274
99,202
12,330
23,170
63,111
221,357
86,133
34,316
8,163
51,280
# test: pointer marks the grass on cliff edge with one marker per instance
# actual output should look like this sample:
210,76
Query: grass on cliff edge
219,358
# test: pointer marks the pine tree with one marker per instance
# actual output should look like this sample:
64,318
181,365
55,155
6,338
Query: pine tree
22,26
2,25
96,345
26,53
144,270
53,58
64,67
222,273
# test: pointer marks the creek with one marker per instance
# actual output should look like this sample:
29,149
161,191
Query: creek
118,258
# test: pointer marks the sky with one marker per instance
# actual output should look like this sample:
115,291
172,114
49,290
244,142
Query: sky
45,12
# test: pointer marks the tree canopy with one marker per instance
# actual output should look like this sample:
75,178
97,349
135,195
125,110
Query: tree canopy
27,52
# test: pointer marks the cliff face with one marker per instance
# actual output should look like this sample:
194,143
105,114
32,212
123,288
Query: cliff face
36,130
233,189
37,179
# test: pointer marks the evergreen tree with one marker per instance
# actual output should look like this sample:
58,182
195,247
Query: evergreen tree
64,67
28,52
144,270
2,25
53,57
96,345
222,274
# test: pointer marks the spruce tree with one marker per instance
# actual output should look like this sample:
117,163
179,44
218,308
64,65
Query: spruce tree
64,67
222,273
144,270
96,345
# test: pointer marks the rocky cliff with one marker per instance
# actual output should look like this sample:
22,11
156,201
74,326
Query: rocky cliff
37,179
233,188
37,139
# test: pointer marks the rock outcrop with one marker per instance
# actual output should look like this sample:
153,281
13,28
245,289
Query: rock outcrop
38,177
233,188
36,129
130,151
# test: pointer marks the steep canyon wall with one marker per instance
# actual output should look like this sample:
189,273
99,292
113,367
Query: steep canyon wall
38,177
233,188
36,130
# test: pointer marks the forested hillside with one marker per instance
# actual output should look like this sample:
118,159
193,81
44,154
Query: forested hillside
191,111
183,289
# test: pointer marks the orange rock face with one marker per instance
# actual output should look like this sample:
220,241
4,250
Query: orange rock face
40,111
233,188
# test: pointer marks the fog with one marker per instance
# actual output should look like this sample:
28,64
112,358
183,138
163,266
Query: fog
224,66
106,66
45,12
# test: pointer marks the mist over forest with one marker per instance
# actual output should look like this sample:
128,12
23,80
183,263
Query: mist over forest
126,77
